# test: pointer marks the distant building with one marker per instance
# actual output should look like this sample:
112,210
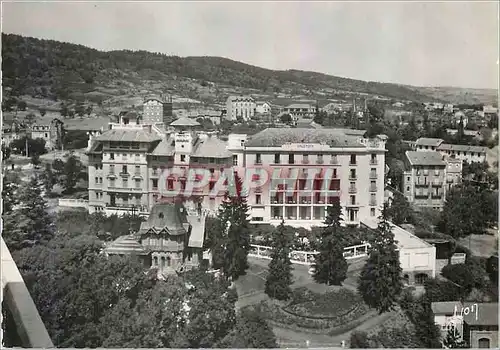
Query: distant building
475,323
297,110
490,112
467,153
171,240
157,110
424,179
471,154
427,144
263,107
417,258
448,108
240,107
471,133
46,131
453,172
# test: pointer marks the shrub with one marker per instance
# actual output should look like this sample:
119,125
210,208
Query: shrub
359,340
469,275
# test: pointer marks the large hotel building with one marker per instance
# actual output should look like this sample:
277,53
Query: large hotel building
306,170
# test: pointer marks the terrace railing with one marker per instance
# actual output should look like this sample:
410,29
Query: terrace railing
23,324
307,258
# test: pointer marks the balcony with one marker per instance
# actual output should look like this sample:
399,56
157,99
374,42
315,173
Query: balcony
353,177
112,175
23,324
373,188
373,175
319,161
352,190
334,161
373,162
351,204
437,183
305,161
124,189
124,174
373,203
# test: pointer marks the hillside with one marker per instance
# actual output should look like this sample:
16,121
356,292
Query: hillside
60,71
461,95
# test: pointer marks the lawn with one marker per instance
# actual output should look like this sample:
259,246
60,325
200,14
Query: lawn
480,245
253,282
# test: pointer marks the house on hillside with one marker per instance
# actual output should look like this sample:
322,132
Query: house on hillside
240,107
171,240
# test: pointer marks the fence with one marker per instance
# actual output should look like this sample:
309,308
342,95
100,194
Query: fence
307,258
73,203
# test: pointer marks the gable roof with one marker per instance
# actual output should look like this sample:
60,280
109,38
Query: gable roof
445,307
425,141
128,135
184,121
171,216
486,315
425,158
462,148
164,148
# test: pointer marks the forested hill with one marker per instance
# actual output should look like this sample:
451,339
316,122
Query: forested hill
49,68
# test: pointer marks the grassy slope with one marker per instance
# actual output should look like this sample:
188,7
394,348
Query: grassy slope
49,68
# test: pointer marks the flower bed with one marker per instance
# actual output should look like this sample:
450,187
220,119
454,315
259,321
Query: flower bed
315,311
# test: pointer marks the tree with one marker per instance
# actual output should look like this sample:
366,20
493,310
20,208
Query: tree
64,111
250,332
359,340
380,279
5,152
71,173
9,197
49,180
30,118
35,159
453,340
21,106
35,146
330,266
400,211
31,224
286,119
233,241
280,277
467,210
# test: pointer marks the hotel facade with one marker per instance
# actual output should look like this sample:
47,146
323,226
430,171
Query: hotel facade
291,174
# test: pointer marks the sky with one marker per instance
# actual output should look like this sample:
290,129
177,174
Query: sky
421,44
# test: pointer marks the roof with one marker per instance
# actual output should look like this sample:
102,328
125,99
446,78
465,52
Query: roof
300,105
184,121
87,124
126,245
445,307
170,216
128,135
166,147
277,137
211,147
404,239
425,158
233,98
152,97
462,148
486,315
424,141
197,235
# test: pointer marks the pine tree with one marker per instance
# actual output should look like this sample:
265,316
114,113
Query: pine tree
380,279
234,225
280,279
72,169
31,224
400,210
49,180
330,266
453,340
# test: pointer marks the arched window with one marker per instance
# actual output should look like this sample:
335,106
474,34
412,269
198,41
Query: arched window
162,262
169,261
483,343
155,261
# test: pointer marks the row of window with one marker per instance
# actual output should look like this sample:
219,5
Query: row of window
136,156
305,158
